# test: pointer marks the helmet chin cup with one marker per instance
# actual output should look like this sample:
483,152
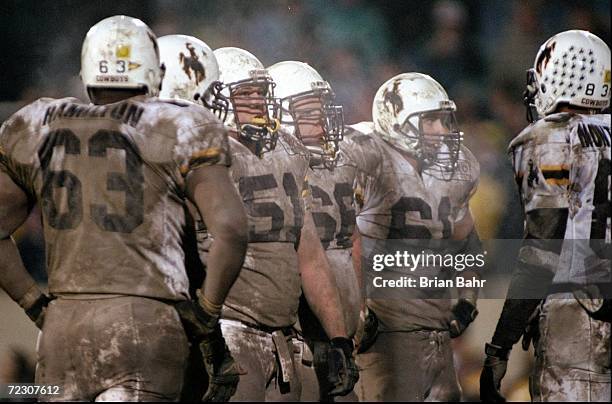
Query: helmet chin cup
260,133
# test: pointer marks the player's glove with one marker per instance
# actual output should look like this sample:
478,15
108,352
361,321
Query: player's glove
223,372
464,312
203,329
492,374
35,303
370,331
343,372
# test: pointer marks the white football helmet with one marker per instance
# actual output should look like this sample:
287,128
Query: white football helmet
246,88
121,52
401,107
191,67
297,85
572,67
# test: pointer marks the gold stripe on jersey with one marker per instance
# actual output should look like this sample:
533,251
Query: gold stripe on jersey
558,181
554,167
556,174
201,158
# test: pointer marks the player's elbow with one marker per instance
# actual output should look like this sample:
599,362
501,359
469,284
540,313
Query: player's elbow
233,230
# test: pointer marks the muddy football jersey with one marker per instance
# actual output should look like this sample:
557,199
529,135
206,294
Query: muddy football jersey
333,212
563,162
275,193
401,203
333,191
110,183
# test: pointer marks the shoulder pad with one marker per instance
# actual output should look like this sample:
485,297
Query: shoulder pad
559,117
542,132
178,103
292,143
363,127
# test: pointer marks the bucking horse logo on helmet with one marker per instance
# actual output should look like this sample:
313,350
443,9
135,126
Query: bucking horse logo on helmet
192,64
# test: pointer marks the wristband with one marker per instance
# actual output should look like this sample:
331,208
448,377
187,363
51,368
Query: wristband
209,307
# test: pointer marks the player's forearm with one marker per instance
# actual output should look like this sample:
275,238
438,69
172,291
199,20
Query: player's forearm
318,282
529,285
320,290
356,257
472,247
223,212
512,321
531,281
226,254
223,266
14,278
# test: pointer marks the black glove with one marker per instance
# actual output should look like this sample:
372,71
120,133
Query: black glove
343,373
370,332
492,374
203,329
36,312
464,312
223,372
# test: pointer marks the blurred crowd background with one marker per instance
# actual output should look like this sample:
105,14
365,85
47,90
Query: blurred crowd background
478,50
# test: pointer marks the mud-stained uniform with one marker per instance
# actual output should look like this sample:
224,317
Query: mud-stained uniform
562,164
333,212
401,203
262,305
110,183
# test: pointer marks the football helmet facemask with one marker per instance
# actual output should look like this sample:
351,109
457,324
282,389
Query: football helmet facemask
309,101
412,112
244,97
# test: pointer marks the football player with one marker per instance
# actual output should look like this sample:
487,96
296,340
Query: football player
111,179
309,111
417,189
562,280
284,254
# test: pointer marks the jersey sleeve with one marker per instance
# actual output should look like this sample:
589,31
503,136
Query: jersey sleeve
204,145
541,171
18,143
362,151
